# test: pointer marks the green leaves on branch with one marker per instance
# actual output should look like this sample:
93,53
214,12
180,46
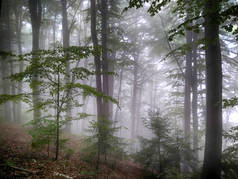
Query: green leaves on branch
230,154
191,14
230,102
7,97
154,5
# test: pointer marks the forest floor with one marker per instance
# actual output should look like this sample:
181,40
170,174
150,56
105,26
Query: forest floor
19,160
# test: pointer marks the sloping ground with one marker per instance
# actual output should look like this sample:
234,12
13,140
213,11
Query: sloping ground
18,159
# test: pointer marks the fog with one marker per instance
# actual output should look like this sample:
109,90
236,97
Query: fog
103,82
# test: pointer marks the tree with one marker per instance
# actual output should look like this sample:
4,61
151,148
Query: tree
105,66
5,47
97,60
66,38
187,88
52,69
211,13
213,144
18,12
35,14
195,96
163,151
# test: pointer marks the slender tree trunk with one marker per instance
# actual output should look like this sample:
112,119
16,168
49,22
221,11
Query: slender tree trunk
54,29
111,59
57,115
13,92
213,144
119,95
195,98
105,66
66,38
187,98
134,98
5,45
97,61
18,16
35,13
138,131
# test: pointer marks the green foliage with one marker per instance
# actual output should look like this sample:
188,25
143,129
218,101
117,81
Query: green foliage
43,132
163,152
230,155
190,13
103,145
48,77
230,102
7,97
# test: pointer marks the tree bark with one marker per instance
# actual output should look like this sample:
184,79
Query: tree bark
195,98
134,97
5,45
105,66
213,144
97,61
18,26
35,14
187,92
57,114
66,38
118,95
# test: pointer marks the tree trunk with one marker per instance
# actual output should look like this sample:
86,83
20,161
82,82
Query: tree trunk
54,30
195,99
18,26
97,61
118,95
105,66
35,13
134,98
5,45
187,98
111,83
213,144
66,38
57,115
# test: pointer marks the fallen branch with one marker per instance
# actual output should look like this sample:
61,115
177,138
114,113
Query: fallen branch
22,169
62,175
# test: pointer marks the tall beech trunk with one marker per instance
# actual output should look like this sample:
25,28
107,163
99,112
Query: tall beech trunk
54,29
213,144
105,66
134,97
111,59
119,95
97,61
5,45
139,122
112,4
195,97
187,96
66,38
18,25
35,14
187,89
